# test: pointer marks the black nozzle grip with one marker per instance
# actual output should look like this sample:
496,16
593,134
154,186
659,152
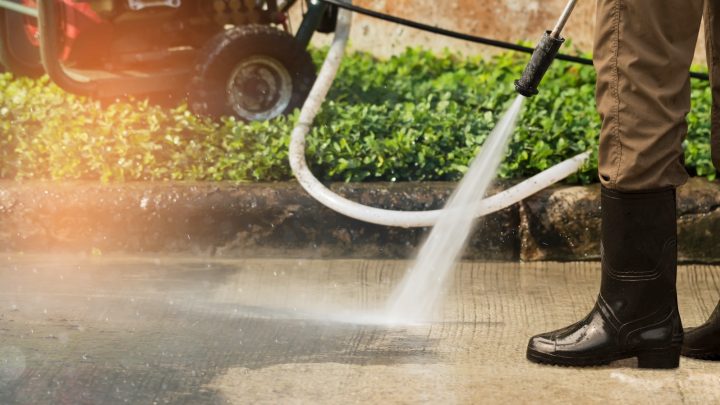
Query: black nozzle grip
540,61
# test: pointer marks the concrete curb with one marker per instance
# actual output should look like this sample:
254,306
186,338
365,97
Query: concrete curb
255,220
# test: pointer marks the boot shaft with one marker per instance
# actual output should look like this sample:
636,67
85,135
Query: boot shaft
637,226
639,253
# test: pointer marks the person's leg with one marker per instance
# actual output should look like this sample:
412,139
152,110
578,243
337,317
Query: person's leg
712,45
643,51
704,341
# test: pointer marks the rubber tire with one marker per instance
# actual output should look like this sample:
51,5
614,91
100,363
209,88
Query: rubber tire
218,58
23,56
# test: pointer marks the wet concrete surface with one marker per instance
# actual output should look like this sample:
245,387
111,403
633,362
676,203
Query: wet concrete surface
104,330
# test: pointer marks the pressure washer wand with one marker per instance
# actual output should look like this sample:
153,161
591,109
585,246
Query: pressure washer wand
543,55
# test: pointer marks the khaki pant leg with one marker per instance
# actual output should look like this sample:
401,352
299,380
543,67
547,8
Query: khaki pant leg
712,43
643,52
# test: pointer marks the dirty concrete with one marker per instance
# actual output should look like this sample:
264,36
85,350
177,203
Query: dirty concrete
237,220
147,329
506,20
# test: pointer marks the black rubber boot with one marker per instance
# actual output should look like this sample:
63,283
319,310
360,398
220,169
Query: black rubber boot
636,313
703,342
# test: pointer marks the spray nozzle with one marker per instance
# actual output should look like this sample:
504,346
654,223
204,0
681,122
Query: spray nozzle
543,55
540,61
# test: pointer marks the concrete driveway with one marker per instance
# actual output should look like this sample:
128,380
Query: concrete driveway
105,330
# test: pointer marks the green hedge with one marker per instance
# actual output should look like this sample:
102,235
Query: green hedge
416,116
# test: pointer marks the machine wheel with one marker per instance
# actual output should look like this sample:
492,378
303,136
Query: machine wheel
22,52
254,72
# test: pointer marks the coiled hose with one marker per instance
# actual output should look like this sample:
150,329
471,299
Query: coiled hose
405,219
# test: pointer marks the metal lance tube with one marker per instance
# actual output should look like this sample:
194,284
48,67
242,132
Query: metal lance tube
543,56
563,19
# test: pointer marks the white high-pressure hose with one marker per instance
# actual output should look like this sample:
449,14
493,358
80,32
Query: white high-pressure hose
405,219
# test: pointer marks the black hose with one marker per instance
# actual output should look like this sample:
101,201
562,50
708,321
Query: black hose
468,37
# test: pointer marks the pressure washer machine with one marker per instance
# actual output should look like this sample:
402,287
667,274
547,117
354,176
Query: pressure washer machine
230,57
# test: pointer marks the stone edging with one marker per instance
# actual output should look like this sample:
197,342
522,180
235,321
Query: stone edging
224,219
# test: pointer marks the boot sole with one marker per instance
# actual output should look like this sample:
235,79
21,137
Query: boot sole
666,358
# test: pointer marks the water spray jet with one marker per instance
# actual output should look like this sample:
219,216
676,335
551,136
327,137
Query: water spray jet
421,289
